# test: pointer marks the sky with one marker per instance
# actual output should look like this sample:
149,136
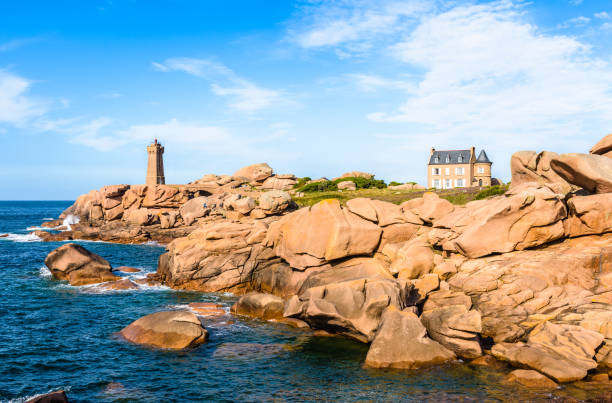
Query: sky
312,87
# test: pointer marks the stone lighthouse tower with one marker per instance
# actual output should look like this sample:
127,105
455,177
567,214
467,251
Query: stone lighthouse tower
155,166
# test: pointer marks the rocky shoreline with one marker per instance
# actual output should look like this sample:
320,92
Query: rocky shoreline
524,278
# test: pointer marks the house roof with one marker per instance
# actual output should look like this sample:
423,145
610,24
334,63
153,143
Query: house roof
450,157
482,157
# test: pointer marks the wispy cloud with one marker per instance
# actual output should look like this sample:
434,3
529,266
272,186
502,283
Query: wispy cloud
245,96
17,43
603,15
371,83
16,105
353,27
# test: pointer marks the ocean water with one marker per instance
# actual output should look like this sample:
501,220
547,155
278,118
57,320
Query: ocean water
54,336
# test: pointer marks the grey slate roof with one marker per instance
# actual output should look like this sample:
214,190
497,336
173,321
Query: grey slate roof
482,157
449,157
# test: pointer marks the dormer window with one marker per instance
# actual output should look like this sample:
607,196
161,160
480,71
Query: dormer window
460,158
447,158
436,159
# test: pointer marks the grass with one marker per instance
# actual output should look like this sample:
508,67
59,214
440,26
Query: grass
456,196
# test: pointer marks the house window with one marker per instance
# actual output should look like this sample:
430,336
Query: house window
435,171
448,184
436,183
480,170
459,183
459,171
447,158
447,171
436,159
460,159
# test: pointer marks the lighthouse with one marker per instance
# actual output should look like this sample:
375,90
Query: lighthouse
155,165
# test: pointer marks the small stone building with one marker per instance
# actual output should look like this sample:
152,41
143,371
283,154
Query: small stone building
449,169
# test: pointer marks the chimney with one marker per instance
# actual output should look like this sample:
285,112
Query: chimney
432,150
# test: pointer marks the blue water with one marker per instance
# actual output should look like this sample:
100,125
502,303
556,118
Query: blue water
54,336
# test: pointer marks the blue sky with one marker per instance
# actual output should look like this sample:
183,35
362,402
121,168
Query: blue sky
315,88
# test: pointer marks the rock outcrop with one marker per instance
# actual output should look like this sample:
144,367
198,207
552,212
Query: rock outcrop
603,147
589,171
402,342
259,305
325,232
530,379
79,266
563,352
170,330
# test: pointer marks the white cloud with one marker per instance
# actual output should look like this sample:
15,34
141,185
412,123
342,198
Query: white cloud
576,2
606,26
245,96
533,87
354,25
603,15
16,106
372,83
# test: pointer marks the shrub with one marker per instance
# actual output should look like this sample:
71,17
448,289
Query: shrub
363,183
323,186
394,183
491,191
301,182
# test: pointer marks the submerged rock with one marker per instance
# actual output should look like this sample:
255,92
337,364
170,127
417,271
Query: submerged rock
171,330
52,397
402,342
127,269
125,284
79,266
530,379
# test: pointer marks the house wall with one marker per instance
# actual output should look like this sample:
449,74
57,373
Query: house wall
452,175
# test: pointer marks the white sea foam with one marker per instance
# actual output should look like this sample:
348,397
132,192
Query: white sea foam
44,272
38,229
21,238
48,219
152,243
69,220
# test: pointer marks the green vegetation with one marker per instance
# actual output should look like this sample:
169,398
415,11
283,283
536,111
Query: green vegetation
330,186
491,191
457,198
394,183
301,182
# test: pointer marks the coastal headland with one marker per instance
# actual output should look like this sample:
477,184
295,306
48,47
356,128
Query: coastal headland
523,277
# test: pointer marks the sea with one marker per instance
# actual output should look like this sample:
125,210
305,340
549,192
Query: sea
54,336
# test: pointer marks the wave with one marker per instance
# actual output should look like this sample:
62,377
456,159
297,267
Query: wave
22,238
44,272
69,220
48,219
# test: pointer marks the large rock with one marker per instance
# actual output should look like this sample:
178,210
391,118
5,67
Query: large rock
402,342
195,208
588,171
347,185
275,201
411,259
456,328
563,352
589,215
355,174
171,330
530,379
277,183
255,173
259,305
79,266
525,218
219,256
320,234
529,166
429,208
351,307
603,147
